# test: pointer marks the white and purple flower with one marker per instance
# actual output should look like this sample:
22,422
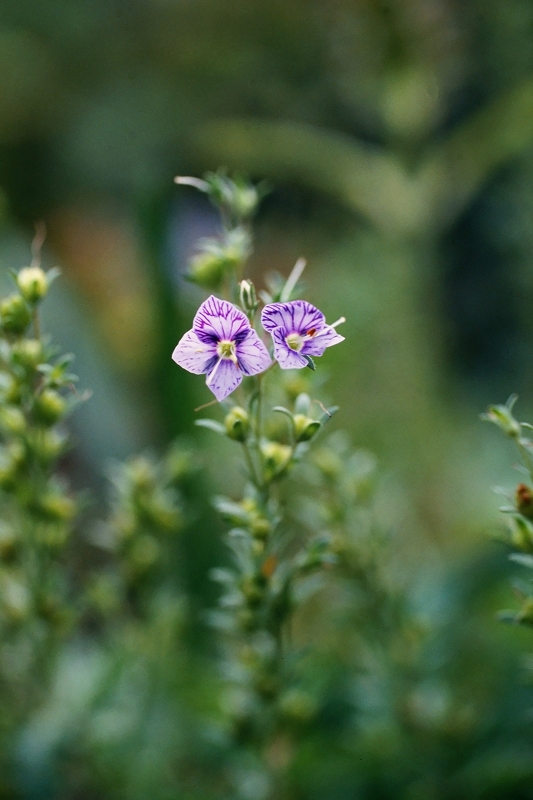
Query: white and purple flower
298,329
223,345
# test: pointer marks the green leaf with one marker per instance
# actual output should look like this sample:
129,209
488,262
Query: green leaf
522,558
212,424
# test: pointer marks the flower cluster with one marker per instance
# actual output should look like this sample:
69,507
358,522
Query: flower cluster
223,344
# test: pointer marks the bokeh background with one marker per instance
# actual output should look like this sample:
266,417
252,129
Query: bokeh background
397,138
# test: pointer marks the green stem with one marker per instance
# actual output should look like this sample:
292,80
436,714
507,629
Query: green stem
36,323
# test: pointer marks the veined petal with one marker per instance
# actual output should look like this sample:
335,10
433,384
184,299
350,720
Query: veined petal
194,355
252,354
224,378
297,316
286,358
218,320
316,345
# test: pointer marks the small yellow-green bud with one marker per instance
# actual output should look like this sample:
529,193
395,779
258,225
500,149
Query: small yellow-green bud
12,456
296,385
46,444
304,427
32,283
207,270
260,527
328,462
12,420
15,599
237,424
252,591
57,507
49,406
9,388
298,706
28,352
144,553
14,314
502,416
141,473
8,544
276,458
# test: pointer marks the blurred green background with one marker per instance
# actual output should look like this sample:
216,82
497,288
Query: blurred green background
397,137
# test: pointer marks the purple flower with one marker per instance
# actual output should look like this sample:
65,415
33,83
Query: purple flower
298,330
223,345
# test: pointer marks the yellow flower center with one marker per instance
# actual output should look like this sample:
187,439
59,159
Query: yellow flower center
295,341
226,350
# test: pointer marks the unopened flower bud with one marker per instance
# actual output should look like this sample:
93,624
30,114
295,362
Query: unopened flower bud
521,534
32,283
57,507
252,590
9,388
237,424
276,458
14,314
46,444
298,706
28,352
12,420
248,297
502,416
304,427
244,200
207,270
260,527
8,544
524,500
49,406
144,553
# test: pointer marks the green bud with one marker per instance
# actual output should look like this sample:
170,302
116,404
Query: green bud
328,462
248,297
141,473
9,544
49,406
11,457
304,427
244,201
28,353
9,388
298,706
46,444
237,424
32,283
295,385
252,590
144,553
14,314
15,599
276,458
12,420
521,533
57,507
502,416
207,270
260,527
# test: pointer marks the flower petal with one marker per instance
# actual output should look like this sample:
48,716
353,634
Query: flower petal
252,354
286,358
194,355
317,345
297,316
224,378
218,320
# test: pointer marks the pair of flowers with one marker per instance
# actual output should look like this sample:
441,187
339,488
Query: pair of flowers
223,344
